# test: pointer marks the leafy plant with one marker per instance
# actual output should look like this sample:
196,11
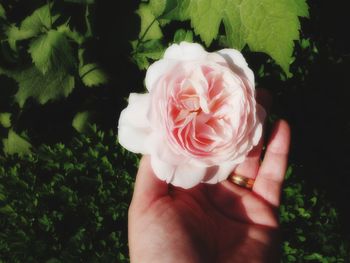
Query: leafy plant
67,203
310,225
265,26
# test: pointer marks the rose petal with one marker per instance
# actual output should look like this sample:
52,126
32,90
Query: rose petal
157,70
235,59
133,127
188,175
164,171
257,130
185,51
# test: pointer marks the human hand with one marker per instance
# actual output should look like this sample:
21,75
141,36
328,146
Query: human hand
211,223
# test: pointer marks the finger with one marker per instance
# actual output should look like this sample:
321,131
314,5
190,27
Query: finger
147,186
249,168
270,177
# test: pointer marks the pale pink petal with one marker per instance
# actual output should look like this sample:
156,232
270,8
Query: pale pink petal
257,130
188,175
164,171
133,127
185,51
134,139
235,59
157,70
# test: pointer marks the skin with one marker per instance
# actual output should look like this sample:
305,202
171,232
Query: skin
211,223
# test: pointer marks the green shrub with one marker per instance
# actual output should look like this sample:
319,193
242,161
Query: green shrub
310,227
68,203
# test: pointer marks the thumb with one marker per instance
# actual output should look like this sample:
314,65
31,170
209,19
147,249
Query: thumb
147,186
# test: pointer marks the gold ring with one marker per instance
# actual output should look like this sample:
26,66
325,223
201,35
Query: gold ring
242,181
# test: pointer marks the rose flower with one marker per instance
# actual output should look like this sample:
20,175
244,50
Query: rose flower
199,119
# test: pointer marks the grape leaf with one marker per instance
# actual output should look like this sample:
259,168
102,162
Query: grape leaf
150,28
32,83
92,75
5,119
267,26
81,121
38,22
2,12
183,35
51,51
147,52
15,144
271,27
302,8
71,34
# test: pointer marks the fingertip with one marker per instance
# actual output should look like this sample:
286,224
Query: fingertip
148,186
280,137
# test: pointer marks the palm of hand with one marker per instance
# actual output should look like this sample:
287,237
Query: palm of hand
210,223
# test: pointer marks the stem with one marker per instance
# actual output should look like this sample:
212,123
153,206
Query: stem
49,6
145,33
88,25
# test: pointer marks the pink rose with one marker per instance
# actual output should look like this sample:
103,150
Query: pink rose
198,120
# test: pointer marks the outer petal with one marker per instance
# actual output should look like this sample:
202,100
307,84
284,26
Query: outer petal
157,70
235,59
164,171
188,175
185,51
185,175
257,131
133,127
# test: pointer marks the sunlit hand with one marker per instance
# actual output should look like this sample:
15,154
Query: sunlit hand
211,223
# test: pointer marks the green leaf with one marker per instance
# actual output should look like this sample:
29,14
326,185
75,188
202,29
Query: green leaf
5,119
147,52
302,9
157,7
51,51
176,10
267,26
92,75
32,83
236,32
15,144
81,121
183,35
271,28
38,22
150,28
71,34
2,12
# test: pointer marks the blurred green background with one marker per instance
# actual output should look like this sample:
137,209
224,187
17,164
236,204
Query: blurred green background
66,69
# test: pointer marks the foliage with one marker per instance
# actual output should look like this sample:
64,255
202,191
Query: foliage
67,203
265,26
310,225
45,52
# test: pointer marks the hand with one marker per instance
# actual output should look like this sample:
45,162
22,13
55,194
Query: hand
211,223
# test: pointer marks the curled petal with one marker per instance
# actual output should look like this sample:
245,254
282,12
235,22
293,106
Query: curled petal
237,62
185,51
133,127
258,129
188,175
